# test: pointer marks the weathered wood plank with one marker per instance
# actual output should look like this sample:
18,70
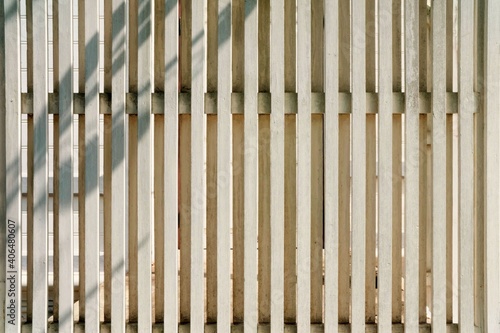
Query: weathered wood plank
133,163
198,176
303,166
118,286
144,160
492,184
290,281
224,174
479,162
358,215
385,163
439,166
10,126
411,167
317,154
238,137
251,164
264,232
159,217
65,137
344,25
277,164
371,152
40,173
170,66
331,165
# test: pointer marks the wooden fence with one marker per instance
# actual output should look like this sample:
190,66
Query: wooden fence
251,165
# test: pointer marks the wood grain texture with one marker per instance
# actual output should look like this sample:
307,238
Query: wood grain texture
411,167
171,158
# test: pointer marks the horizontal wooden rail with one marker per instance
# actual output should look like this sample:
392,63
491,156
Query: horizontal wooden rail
262,328
264,100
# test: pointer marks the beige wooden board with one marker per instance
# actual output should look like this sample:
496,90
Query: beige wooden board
133,259
185,217
411,251
317,85
358,213
159,217
423,209
331,167
386,171
251,164
264,231
439,166
479,211
304,166
211,230
277,164
237,49
65,138
238,138
118,166
492,186
171,165
198,157
10,198
40,167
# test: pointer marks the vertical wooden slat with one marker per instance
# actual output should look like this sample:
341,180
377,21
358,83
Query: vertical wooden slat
439,166
29,196
133,224
118,166
10,122
371,152
397,218
277,136
160,61
251,163
171,163
55,163
185,164
264,232
358,168
492,186
224,174
479,211
144,187
108,73
81,162
397,177
331,165
290,283
237,49
411,253
3,165
303,166
133,164
198,177
385,170
450,170
185,216
425,194
66,249
158,215
344,26
466,166
317,85
40,178
264,237
211,227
